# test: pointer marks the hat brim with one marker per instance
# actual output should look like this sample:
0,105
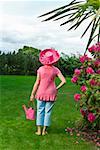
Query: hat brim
44,61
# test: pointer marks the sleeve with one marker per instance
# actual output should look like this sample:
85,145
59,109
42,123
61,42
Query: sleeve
57,71
38,71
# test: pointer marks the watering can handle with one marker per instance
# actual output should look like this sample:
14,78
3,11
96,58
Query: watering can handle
29,102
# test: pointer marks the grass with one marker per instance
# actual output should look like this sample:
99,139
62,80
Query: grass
17,133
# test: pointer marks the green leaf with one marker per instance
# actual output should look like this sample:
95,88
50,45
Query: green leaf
78,23
59,13
69,20
94,26
64,16
87,28
70,4
85,17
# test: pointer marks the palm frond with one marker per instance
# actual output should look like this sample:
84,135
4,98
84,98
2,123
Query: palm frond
78,23
84,18
94,26
61,8
70,20
87,29
99,33
89,41
64,16
97,24
74,13
59,13
95,36
77,12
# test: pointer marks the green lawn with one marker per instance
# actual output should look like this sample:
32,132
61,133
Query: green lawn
17,133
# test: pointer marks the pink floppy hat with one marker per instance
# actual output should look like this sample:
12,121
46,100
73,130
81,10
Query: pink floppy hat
49,56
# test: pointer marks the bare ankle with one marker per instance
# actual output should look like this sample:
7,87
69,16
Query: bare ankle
44,128
39,129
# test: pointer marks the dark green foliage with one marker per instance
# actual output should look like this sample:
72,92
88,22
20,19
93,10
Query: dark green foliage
67,64
26,62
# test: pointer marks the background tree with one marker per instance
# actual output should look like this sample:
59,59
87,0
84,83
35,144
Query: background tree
26,62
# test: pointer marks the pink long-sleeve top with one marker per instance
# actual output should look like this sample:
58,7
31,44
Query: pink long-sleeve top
47,88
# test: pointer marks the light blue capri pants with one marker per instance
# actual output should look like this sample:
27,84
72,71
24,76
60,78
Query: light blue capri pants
44,110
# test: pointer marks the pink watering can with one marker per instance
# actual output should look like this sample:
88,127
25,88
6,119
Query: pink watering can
30,112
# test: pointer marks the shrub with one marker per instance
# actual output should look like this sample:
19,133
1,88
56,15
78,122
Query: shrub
88,77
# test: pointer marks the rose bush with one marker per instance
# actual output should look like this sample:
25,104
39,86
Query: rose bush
88,77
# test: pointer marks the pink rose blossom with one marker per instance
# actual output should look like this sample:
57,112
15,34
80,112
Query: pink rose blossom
77,72
69,129
81,67
83,58
98,83
91,117
77,97
83,88
97,49
97,63
89,59
91,49
83,112
98,71
94,48
89,70
93,82
74,79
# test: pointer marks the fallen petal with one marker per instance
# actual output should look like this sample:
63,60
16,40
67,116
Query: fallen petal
78,134
76,142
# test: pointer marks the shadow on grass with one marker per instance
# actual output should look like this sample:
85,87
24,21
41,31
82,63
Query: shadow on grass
56,130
